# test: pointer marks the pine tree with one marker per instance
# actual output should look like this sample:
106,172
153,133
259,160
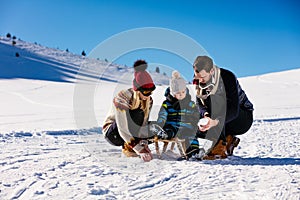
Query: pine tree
157,70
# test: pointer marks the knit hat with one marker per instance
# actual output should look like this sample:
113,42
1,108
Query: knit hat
177,83
142,80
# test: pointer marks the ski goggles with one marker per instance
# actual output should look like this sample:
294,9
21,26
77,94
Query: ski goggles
146,92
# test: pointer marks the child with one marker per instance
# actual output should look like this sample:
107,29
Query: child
179,114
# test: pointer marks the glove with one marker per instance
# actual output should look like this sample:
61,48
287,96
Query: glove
162,135
158,131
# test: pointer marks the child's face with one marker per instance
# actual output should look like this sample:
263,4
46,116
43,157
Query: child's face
181,94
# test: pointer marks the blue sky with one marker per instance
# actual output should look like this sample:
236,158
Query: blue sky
249,38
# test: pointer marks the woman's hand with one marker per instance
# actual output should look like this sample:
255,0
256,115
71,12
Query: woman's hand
146,154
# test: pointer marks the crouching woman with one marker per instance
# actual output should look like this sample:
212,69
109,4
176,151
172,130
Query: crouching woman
126,124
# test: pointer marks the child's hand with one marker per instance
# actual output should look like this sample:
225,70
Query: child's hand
162,135
158,131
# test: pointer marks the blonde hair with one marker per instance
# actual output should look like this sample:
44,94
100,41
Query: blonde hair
137,102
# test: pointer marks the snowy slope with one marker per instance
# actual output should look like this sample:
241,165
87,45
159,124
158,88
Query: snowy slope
43,63
46,154
275,95
40,70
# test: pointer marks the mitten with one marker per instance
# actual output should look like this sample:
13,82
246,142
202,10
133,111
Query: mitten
158,131
162,135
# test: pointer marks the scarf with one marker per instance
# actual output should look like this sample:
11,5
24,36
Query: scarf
210,88
130,100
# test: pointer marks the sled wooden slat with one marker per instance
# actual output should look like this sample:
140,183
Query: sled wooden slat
180,144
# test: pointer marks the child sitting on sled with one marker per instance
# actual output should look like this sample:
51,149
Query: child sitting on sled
178,115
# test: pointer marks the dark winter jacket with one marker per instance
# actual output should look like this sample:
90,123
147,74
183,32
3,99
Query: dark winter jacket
228,99
178,116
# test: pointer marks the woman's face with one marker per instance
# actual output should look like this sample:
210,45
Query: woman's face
143,97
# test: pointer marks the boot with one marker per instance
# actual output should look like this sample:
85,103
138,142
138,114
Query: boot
128,151
232,142
218,152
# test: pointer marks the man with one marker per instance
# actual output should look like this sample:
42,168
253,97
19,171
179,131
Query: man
224,104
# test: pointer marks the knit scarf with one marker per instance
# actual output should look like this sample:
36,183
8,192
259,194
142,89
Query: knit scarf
130,99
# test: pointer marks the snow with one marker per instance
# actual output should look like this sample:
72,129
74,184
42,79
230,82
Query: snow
52,147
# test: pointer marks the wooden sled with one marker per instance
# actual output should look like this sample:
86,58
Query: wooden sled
180,144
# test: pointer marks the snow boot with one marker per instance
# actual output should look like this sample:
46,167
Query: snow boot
232,142
200,154
218,152
128,151
192,150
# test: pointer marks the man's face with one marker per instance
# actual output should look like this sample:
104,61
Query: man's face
203,76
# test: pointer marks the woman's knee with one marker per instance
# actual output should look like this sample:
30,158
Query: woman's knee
112,135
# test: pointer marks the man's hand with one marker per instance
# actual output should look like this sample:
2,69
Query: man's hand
211,123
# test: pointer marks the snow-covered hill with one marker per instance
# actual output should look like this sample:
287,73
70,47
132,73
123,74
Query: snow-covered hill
51,145
42,63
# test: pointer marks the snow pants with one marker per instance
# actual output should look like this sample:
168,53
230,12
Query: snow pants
241,124
238,126
112,135
136,117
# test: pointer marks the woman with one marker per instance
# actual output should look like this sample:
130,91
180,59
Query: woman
126,123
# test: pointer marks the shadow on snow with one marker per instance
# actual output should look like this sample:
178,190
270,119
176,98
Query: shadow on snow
278,119
235,160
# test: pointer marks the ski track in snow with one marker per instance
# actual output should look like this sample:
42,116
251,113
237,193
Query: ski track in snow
82,165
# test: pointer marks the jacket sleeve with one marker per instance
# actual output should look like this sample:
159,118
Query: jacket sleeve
162,115
122,122
202,108
196,115
121,107
232,96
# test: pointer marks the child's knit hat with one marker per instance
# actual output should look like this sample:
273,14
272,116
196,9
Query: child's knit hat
177,83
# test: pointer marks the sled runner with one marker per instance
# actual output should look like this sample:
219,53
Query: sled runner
184,152
161,135
180,144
